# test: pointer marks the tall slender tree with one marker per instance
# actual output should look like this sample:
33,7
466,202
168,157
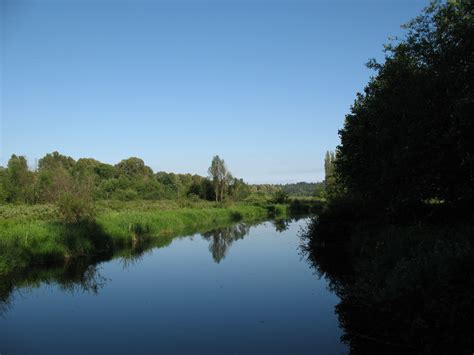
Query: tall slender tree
220,177
329,173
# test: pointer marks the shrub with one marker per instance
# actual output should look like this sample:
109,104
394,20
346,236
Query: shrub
280,197
75,207
76,204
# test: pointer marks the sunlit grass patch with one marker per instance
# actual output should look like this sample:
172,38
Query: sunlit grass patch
32,235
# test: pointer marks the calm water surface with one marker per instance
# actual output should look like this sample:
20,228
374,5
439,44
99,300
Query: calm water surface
238,290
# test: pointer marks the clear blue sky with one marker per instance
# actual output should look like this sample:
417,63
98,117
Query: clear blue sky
264,84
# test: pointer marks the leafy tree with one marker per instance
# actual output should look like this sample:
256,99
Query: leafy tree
96,169
150,189
264,191
238,189
59,177
201,187
280,196
52,183
76,204
220,177
409,137
206,190
330,174
3,183
319,190
53,161
133,168
171,183
18,180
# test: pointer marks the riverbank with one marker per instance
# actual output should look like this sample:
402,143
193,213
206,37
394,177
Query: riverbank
413,281
33,235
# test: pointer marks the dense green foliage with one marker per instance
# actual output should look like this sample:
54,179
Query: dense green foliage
396,237
409,137
76,186
330,183
58,176
280,196
403,289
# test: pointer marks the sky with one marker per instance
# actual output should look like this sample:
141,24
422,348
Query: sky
264,84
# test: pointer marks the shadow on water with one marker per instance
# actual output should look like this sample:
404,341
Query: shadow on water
405,290
82,274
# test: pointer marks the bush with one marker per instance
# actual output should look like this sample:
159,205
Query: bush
75,208
280,197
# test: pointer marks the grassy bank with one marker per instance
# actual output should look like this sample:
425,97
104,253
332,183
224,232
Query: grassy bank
31,235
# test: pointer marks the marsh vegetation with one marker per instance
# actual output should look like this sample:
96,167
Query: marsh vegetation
66,209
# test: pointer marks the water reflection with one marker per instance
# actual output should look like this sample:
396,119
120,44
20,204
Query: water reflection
417,304
281,225
83,274
221,239
80,276
245,279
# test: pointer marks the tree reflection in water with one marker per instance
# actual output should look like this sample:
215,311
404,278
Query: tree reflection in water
281,225
83,274
401,294
221,239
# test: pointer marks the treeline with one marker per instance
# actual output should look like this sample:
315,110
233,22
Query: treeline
303,189
130,179
58,176
408,142
299,189
396,237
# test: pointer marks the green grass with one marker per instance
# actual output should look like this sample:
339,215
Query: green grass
32,235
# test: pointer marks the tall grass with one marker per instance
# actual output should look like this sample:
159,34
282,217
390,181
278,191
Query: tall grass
32,235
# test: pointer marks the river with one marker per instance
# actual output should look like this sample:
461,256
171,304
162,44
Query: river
244,289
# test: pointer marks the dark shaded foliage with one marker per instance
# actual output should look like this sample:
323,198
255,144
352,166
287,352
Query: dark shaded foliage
409,136
299,207
403,289
397,239
280,196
